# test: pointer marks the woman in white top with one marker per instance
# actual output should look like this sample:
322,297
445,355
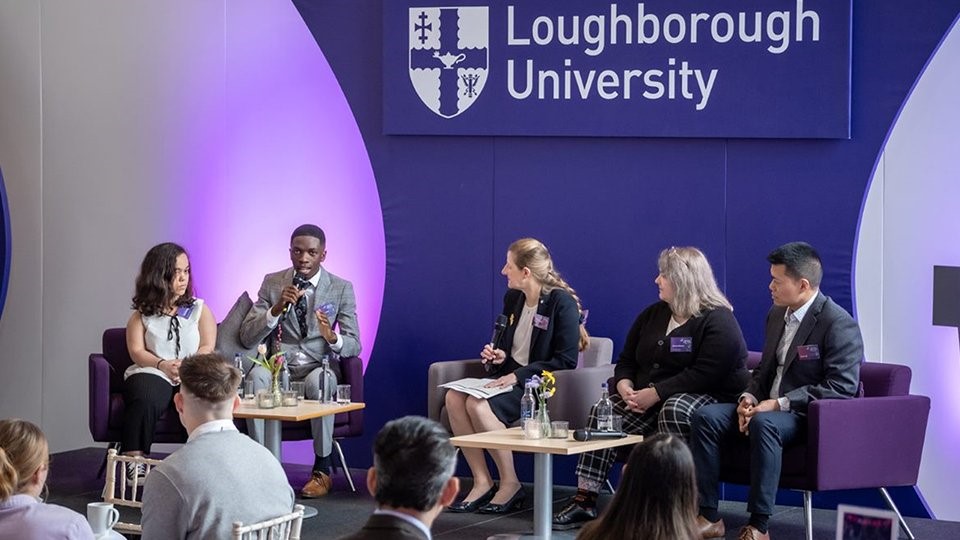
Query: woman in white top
24,465
167,325
544,332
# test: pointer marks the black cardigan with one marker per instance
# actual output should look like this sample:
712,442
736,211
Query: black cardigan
711,361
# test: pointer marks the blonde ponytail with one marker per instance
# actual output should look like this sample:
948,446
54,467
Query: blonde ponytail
554,281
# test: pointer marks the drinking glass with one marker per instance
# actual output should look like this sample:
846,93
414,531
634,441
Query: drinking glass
300,388
343,394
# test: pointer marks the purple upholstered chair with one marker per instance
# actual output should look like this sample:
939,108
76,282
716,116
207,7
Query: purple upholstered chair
349,424
873,441
106,394
106,401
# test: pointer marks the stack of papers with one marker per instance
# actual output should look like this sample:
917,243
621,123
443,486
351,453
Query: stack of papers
476,387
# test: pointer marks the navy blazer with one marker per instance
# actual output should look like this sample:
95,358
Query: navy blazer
830,371
555,347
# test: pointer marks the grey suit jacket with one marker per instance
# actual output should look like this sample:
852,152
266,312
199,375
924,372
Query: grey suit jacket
212,481
331,289
386,527
830,367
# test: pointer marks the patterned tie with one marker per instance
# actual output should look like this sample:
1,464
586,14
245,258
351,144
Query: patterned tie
301,309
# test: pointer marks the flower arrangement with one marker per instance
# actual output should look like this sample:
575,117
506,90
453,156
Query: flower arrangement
546,387
273,364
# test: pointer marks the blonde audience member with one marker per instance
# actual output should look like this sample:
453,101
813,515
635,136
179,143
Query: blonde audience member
24,465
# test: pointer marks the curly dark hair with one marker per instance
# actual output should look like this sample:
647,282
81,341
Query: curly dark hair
152,292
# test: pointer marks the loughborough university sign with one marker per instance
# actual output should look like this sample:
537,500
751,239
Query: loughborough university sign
663,68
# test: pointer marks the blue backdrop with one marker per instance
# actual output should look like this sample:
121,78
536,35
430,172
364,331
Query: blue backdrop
605,206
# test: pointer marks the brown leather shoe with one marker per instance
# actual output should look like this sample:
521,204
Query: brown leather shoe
318,486
750,533
711,530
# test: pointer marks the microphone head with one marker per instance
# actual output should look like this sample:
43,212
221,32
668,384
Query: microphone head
300,281
581,434
501,322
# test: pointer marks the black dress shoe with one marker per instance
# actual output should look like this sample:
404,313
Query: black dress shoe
464,507
515,502
573,516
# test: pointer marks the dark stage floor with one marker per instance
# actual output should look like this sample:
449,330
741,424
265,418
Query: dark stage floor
73,484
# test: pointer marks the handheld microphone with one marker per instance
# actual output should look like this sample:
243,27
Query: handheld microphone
594,434
300,282
498,328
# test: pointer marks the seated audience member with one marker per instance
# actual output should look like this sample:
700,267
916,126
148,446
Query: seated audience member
657,496
544,332
220,475
23,475
168,324
308,313
411,479
681,353
812,351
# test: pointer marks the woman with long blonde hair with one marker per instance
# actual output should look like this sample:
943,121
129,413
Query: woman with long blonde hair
544,332
682,352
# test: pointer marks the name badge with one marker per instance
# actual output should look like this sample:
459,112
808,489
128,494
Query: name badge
185,311
541,321
681,344
808,352
328,309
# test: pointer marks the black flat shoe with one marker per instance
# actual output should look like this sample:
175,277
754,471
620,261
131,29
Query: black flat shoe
464,507
573,516
515,502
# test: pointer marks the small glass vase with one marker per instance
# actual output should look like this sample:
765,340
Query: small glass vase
543,416
277,394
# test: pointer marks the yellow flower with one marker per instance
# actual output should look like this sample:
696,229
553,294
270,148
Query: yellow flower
548,385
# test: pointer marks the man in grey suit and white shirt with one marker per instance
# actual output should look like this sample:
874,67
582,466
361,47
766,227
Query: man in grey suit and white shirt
308,313
220,475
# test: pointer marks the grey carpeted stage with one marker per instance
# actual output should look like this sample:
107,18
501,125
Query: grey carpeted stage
73,484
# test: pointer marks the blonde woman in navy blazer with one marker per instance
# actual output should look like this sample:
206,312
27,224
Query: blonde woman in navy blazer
544,332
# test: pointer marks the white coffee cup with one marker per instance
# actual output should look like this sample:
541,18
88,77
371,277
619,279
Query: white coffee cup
102,517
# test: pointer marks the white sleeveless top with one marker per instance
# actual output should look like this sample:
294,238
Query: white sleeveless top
156,330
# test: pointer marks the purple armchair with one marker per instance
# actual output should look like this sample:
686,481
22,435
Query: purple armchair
106,400
106,394
874,441
349,424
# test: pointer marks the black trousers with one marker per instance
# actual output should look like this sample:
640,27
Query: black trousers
145,397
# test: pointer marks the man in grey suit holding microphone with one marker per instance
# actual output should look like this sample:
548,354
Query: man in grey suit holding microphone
308,313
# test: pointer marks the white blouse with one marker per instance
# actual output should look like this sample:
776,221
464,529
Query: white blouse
521,337
157,328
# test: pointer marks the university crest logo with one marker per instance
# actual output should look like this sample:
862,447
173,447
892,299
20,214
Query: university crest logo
449,56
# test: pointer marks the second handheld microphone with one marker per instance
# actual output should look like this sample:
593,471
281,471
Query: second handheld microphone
594,434
499,326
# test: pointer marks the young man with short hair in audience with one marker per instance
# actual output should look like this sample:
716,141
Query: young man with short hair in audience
220,476
411,479
813,350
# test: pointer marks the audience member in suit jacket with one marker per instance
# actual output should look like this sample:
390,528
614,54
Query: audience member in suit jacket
411,480
813,350
544,332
